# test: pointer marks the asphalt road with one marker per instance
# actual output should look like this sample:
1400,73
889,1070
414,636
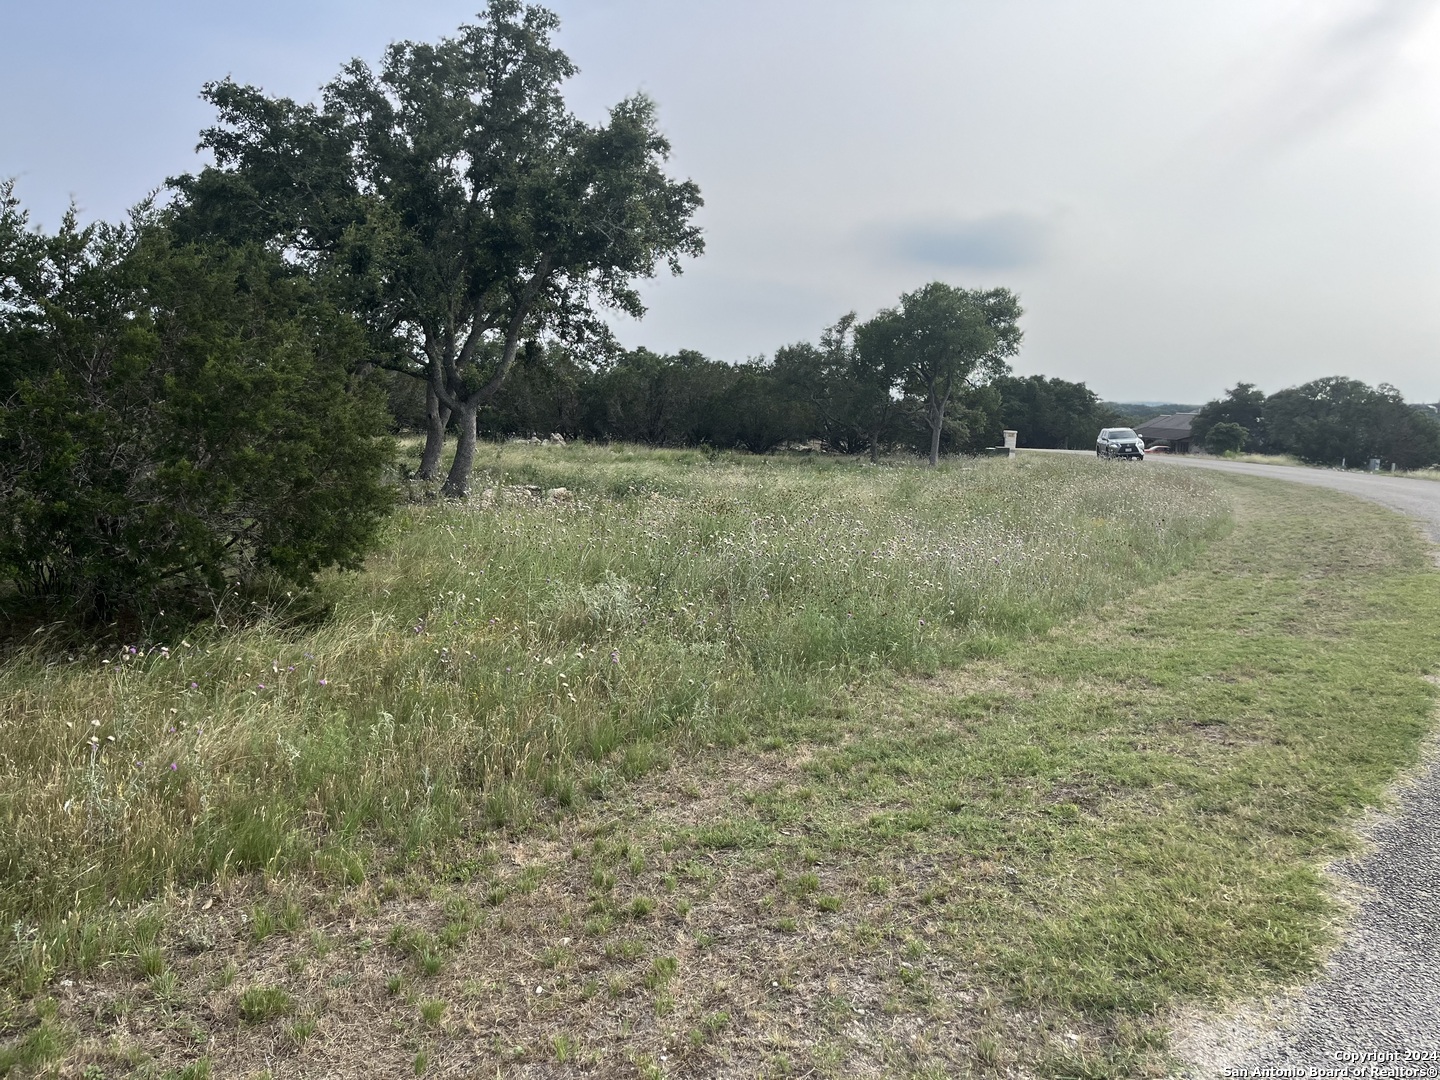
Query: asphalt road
1375,1011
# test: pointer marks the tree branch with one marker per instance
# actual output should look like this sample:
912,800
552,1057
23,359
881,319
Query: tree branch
512,333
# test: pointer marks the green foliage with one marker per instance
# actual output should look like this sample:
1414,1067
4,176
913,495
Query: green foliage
1051,413
853,400
1336,419
453,200
547,390
1324,422
1226,438
1244,405
176,420
971,425
834,392
939,340
687,399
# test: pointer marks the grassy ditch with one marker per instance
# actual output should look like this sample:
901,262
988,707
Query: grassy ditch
1008,848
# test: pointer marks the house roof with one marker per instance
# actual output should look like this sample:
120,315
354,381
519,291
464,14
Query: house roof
1174,426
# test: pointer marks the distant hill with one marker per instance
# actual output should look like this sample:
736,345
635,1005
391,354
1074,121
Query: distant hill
1135,413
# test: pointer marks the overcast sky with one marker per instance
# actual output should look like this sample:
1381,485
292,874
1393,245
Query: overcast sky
1184,195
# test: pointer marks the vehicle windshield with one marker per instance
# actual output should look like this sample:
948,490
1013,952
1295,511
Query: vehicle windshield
1122,433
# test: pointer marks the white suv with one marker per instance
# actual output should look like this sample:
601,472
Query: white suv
1119,442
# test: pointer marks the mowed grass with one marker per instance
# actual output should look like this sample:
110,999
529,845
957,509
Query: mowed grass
1429,473
512,650
1010,848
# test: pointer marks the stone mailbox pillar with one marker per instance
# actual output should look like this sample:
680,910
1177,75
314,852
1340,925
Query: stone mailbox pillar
1010,437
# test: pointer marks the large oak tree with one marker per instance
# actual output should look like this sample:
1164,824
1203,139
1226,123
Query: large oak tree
455,202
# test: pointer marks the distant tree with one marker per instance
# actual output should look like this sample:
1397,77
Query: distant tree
1050,413
870,386
942,339
1410,439
1331,420
452,199
750,410
803,379
544,393
648,398
405,401
980,411
175,419
688,400
1226,438
1243,404
854,396
812,381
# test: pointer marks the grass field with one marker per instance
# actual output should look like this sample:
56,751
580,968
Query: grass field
725,764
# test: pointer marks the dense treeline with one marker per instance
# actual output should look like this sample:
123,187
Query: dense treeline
803,397
685,399
1331,421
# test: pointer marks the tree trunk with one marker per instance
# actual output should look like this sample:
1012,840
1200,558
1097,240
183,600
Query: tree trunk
457,484
935,413
436,417
875,448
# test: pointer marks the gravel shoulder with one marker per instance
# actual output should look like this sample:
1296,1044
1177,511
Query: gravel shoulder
1377,1005
1376,1009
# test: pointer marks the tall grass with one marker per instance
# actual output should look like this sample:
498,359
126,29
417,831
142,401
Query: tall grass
512,648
